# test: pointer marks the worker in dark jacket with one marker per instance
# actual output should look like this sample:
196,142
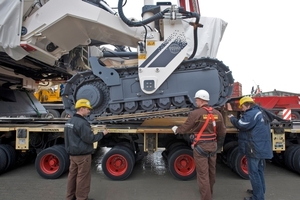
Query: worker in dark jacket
79,140
254,142
208,128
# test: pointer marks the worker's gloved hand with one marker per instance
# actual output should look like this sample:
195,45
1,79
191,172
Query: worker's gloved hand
105,132
174,128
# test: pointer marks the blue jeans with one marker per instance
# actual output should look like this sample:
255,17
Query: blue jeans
256,175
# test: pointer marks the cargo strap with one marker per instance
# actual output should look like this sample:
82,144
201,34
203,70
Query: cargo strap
210,116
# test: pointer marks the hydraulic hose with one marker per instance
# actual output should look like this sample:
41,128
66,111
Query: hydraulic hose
195,26
157,16
160,15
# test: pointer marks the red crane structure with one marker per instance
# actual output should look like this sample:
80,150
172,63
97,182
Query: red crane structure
277,101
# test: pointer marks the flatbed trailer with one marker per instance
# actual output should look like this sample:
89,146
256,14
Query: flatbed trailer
129,143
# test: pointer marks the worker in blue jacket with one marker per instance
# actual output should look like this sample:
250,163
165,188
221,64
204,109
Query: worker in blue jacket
255,142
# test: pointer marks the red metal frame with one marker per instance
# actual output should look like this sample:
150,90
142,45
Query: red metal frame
278,102
193,5
274,103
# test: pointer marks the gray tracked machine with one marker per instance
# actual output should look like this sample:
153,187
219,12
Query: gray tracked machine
167,73
174,57
116,94
140,76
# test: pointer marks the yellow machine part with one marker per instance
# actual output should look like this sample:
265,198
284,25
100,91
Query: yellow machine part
47,95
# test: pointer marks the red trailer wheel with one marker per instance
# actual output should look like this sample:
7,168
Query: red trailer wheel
295,116
181,164
240,165
118,163
244,165
50,163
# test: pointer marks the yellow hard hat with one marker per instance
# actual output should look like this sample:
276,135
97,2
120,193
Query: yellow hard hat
83,103
245,99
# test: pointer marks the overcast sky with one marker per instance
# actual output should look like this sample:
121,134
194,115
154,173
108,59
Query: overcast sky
260,44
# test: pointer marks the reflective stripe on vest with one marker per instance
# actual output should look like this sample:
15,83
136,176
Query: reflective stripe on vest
207,136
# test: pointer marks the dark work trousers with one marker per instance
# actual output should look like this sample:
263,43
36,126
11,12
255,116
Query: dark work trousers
256,175
206,169
79,178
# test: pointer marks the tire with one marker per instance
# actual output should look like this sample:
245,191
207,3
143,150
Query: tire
52,114
296,161
234,154
10,155
117,163
240,165
288,156
61,148
3,160
230,155
181,164
226,148
229,145
176,148
50,163
64,114
295,116
173,145
164,154
278,159
127,148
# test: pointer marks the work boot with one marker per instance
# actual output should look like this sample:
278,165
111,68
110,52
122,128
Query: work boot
248,198
250,191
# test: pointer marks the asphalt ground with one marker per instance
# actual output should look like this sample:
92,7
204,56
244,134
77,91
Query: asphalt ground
150,180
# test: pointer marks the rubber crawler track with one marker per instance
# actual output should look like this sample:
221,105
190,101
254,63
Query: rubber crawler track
102,113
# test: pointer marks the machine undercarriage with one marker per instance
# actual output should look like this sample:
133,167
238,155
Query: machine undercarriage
115,94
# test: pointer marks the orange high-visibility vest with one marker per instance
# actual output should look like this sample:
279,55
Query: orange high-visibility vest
211,136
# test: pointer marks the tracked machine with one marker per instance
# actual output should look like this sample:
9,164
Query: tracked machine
174,57
139,75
